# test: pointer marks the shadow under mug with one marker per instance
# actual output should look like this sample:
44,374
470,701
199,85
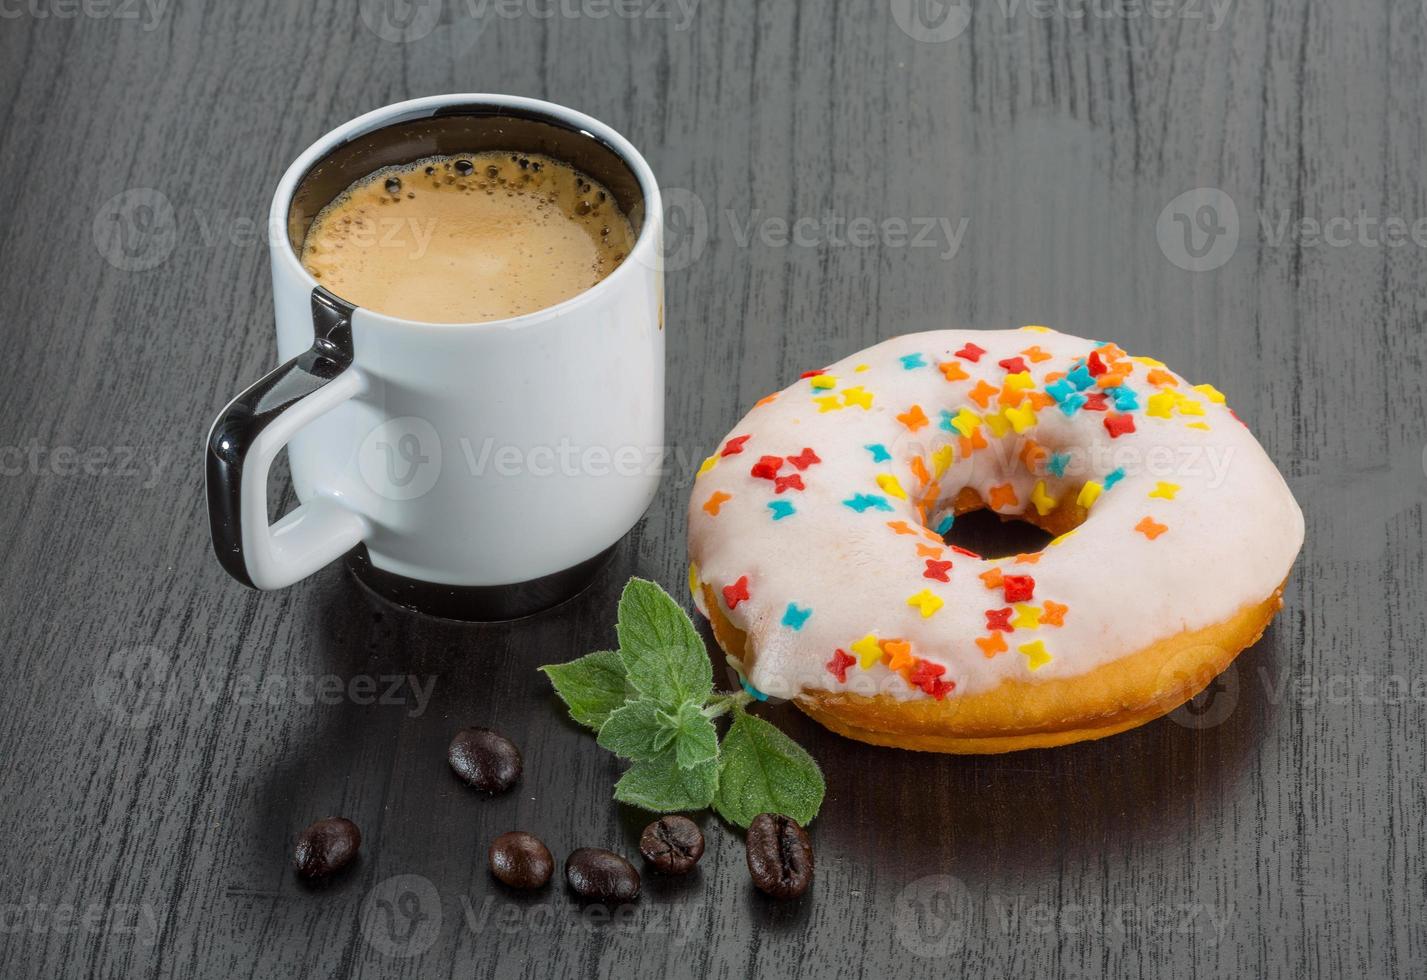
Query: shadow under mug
473,471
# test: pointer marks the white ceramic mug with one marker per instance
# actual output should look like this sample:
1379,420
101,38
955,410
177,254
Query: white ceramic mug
476,471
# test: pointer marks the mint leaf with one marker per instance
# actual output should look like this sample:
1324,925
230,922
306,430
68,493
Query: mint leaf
639,730
695,738
663,656
591,686
660,785
761,770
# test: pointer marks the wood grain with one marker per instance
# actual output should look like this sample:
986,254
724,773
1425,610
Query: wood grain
1283,836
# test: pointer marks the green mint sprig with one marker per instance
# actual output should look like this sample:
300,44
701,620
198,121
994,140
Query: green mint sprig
653,702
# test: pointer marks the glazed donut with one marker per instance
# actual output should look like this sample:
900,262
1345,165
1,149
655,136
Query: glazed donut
817,549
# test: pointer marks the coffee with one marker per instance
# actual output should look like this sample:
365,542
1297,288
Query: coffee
467,239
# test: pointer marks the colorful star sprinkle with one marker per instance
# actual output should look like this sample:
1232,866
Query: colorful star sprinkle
804,459
1165,490
999,619
991,645
913,361
767,467
970,352
1018,588
1151,528
734,446
913,418
861,502
794,618
937,570
868,650
792,481
716,500
837,666
737,592
926,602
781,509
879,451
1118,425
1036,655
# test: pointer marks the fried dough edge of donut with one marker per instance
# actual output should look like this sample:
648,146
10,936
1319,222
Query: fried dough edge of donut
1016,715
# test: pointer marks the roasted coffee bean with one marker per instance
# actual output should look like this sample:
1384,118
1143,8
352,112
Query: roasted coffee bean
326,847
601,875
780,856
485,759
672,845
520,860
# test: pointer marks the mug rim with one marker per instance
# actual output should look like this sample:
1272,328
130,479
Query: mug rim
645,242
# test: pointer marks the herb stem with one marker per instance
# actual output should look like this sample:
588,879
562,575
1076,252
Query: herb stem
721,704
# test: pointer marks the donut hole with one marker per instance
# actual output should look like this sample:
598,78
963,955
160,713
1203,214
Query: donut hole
991,535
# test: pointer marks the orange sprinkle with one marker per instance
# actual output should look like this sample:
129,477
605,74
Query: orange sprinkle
953,371
1003,496
992,578
901,527
900,653
1111,379
1036,354
1028,559
991,645
913,418
1160,378
1040,400
1031,454
766,399
1053,613
919,470
968,445
1054,376
929,498
982,393
715,501
929,551
1151,528
1011,397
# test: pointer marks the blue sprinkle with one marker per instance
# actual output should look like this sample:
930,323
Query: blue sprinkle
1072,403
781,509
1060,389
945,423
912,361
1125,399
794,618
1114,477
1057,463
1081,377
878,451
860,502
757,694
945,523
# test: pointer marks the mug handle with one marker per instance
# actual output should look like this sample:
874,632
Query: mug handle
246,438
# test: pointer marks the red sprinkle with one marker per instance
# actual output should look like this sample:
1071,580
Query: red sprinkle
837,666
1096,366
971,352
811,374
1015,365
1095,402
734,446
999,619
790,482
804,459
964,551
738,592
937,570
1018,588
767,467
1118,425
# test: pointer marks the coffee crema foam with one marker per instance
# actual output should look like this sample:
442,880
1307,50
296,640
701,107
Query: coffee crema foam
467,238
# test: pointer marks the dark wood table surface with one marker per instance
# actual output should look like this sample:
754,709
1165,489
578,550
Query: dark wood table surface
165,732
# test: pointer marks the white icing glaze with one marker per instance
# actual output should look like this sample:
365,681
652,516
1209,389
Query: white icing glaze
1232,526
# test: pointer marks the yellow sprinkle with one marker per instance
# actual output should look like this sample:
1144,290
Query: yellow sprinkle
1210,392
1019,380
1044,503
927,601
868,651
997,424
708,464
942,458
1165,490
1089,494
1036,328
890,486
694,582
858,396
1160,404
966,422
824,381
1197,425
1022,418
860,368
828,403
1057,542
1028,617
1188,406
1036,655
